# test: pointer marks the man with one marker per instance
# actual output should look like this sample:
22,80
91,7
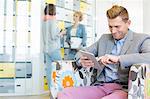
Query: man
116,53
51,39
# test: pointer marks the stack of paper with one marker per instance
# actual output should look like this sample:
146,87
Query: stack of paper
75,42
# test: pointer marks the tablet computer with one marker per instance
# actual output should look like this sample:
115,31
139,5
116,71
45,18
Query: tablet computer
91,57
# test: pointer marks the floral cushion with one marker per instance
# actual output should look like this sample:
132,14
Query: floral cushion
139,82
67,74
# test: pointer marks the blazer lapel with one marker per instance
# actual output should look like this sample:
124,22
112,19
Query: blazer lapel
110,45
127,43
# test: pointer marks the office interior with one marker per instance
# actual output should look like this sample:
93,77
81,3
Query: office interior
22,69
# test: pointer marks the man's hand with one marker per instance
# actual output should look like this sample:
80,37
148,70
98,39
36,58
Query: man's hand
85,62
109,59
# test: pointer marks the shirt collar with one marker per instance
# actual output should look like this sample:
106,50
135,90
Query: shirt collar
123,39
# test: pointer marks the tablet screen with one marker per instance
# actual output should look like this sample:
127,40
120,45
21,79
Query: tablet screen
91,57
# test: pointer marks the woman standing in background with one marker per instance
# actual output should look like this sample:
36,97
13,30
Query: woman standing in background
51,39
76,30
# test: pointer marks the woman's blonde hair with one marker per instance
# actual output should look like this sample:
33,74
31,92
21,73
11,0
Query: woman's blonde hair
80,15
116,11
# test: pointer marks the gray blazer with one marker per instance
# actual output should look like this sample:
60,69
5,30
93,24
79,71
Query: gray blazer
136,49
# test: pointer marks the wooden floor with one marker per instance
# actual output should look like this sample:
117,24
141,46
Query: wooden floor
26,97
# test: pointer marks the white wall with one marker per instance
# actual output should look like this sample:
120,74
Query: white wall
146,16
134,7
37,59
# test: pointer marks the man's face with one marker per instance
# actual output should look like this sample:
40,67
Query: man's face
118,27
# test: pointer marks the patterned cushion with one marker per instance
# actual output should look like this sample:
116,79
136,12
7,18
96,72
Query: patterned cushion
139,82
67,74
